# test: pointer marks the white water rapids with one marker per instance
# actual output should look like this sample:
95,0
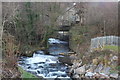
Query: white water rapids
47,66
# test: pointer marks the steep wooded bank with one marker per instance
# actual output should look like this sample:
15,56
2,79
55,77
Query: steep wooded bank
30,24
27,27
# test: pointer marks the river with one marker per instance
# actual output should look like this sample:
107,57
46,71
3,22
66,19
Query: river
47,66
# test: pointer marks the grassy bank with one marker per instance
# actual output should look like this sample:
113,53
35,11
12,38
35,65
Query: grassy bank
111,47
26,75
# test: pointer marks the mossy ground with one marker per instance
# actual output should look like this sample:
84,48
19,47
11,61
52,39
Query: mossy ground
111,47
25,75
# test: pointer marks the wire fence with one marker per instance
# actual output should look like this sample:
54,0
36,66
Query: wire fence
99,42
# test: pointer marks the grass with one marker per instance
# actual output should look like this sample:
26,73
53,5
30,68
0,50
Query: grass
110,47
26,75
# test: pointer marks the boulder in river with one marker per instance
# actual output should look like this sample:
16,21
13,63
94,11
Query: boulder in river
65,60
61,53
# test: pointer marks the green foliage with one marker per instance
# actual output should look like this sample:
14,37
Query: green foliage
25,29
26,75
79,29
113,71
118,68
77,34
110,47
29,21
49,31
101,53
28,50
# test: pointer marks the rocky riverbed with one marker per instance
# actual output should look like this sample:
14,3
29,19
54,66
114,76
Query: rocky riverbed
105,67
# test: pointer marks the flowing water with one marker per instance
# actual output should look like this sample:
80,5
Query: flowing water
47,66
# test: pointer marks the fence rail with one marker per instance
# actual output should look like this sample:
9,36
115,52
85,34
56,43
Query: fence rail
99,42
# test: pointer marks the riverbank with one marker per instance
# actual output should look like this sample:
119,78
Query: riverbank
96,65
25,74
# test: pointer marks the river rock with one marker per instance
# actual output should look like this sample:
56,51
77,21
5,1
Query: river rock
80,70
76,76
91,68
65,60
75,65
111,55
102,75
115,58
96,75
106,70
95,61
99,68
71,70
114,75
61,53
87,66
89,74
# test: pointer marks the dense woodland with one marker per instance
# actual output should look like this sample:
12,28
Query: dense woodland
27,27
